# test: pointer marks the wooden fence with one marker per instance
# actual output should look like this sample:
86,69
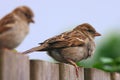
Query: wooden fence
14,66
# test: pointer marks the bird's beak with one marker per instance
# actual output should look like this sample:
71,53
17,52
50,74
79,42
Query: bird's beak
97,34
32,21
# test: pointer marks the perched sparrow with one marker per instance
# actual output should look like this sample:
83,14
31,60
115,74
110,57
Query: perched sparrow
70,47
14,27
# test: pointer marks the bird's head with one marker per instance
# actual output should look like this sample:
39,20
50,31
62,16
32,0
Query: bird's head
88,30
25,13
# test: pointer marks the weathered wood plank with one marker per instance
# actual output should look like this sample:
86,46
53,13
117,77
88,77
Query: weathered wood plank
42,70
95,74
68,72
13,66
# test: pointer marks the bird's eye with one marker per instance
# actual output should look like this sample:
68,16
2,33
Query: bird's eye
28,16
90,31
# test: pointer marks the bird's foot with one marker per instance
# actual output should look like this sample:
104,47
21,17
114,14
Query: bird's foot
76,67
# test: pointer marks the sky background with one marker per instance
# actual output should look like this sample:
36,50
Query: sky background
53,17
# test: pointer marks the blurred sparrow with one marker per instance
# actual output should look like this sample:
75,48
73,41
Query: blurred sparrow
70,47
14,27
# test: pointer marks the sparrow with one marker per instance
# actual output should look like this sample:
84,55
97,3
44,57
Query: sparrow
70,47
14,27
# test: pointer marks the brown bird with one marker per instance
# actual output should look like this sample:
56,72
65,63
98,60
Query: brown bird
14,27
70,47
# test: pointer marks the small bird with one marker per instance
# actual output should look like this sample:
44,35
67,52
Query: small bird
14,27
70,47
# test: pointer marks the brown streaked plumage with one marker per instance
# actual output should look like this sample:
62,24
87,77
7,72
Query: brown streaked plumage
70,47
15,26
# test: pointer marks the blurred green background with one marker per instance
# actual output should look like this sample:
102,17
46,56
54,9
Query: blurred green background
107,54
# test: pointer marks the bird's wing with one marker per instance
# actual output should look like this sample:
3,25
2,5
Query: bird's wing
67,39
5,23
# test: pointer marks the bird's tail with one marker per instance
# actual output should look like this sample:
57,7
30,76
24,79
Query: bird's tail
32,50
42,47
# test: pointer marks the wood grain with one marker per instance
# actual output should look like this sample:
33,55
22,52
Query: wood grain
13,66
68,72
95,74
42,70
